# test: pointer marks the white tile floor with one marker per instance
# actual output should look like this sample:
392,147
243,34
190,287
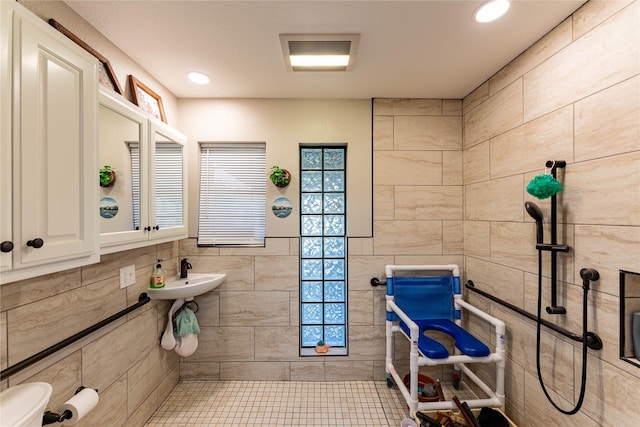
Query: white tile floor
285,403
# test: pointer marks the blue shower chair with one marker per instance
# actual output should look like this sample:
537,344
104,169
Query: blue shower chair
423,298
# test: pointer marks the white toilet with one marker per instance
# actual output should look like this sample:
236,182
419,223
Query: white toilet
23,405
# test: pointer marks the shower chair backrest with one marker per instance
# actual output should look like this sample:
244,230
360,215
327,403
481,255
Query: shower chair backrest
426,294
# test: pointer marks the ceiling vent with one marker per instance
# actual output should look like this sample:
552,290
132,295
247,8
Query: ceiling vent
319,52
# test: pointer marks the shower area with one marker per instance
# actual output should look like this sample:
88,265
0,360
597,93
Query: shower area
515,126
501,241
511,126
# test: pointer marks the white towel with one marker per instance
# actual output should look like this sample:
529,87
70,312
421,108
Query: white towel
186,345
168,341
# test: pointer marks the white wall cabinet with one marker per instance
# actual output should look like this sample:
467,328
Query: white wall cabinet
48,118
147,202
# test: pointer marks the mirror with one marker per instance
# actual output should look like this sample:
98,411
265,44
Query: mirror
168,182
146,203
120,149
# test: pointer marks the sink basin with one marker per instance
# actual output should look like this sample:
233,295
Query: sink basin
194,285
23,405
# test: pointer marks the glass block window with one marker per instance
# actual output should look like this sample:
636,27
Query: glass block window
323,247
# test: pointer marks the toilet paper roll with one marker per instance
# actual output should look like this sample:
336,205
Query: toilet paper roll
79,405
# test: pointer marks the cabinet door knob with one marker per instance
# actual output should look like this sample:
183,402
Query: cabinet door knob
147,228
35,243
157,227
6,246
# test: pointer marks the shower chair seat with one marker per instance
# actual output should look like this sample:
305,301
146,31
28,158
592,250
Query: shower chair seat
423,298
464,341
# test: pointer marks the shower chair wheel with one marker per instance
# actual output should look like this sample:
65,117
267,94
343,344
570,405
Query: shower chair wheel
389,381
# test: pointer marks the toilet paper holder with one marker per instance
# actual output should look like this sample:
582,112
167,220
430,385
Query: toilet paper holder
50,417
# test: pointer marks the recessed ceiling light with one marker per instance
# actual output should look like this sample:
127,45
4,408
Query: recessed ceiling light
491,10
198,77
319,52
319,60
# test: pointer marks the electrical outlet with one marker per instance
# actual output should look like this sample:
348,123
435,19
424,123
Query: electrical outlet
127,276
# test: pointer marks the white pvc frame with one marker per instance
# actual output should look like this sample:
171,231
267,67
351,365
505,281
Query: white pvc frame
416,358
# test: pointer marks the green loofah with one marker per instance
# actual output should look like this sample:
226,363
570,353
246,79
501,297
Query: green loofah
543,186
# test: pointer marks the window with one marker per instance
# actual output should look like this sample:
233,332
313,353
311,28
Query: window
323,248
232,194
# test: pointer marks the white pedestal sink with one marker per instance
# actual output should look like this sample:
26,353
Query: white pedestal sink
23,405
194,285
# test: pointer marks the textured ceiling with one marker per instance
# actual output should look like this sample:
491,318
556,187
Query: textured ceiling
408,49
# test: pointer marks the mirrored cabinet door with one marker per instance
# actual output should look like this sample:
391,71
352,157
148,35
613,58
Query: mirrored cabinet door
143,184
123,174
168,198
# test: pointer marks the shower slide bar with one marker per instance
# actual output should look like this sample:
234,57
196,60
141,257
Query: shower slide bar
593,340
143,299
554,308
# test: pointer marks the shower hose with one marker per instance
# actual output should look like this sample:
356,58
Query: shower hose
584,344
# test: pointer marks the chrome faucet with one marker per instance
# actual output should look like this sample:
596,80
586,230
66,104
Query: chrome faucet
184,267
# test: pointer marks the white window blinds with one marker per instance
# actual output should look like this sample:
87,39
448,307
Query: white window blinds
134,149
232,194
168,185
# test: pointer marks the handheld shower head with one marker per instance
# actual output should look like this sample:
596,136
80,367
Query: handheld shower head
534,212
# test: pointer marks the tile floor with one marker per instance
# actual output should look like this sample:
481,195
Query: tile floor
285,403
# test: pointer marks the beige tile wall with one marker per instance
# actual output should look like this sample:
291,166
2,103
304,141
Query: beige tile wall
573,96
249,325
123,360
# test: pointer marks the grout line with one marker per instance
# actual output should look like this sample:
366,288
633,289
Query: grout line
284,403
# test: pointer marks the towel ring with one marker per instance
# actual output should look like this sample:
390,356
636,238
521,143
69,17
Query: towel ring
192,305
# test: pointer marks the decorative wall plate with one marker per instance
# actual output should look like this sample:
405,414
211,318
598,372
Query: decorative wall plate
281,207
108,207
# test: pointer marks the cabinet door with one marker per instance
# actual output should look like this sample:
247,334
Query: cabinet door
54,150
168,197
124,146
6,234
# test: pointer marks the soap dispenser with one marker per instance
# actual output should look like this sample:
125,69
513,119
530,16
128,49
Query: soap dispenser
157,276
